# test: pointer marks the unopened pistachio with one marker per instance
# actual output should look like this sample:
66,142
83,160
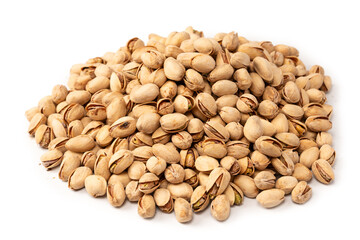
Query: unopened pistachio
271,198
116,194
182,209
220,207
95,185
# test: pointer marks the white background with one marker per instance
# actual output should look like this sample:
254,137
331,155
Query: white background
40,40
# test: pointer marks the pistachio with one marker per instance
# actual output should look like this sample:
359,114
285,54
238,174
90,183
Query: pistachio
218,181
77,178
286,183
322,171
182,209
174,70
220,208
148,183
265,180
116,194
301,193
253,129
169,154
132,191
120,161
95,185
181,190
164,200
174,122
123,127
51,158
80,143
199,199
268,146
327,153
216,130
247,185
271,198
234,194
206,164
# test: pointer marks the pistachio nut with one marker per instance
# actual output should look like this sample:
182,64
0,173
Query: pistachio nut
58,143
247,185
164,200
120,161
301,193
271,198
183,103
136,170
268,146
196,129
265,180
37,120
302,173
174,173
286,183
263,68
309,156
92,128
243,79
323,138
148,122
327,153
174,70
318,123
194,80
234,194
169,154
220,207
259,160
191,177
70,162
183,210
253,129
218,181
214,147
160,136
216,130
247,103
44,135
144,93
188,157
174,122
231,165
206,104
51,158
139,139
165,106
235,129
322,171
247,166
80,143
101,165
95,185
240,60
206,164
88,159
180,190
123,127
182,140
133,192
156,165
148,183
199,199
238,149
116,194
59,93
77,178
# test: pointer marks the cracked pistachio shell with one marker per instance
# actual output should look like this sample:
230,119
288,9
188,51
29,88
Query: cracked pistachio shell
327,153
103,137
230,41
247,166
272,94
136,170
30,113
318,123
46,106
293,111
132,191
174,122
118,82
174,70
221,72
268,146
288,140
142,108
80,143
253,128
70,162
168,153
194,80
234,194
301,193
206,104
156,165
257,87
117,144
172,51
160,136
238,149
191,178
123,127
75,128
37,120
148,183
116,194
313,109
220,207
286,183
259,160
183,104
268,109
309,156
204,45
271,198
252,49
139,139
265,180
165,106
236,130
247,185
182,140
115,110
180,190
97,83
297,127
152,59
168,90
188,157
164,200
92,128
72,112
51,159
88,159
196,129
120,161
148,122
206,164
240,60
216,130
323,171
242,78
95,185
77,178
199,199
101,166
176,38
247,103
306,143
214,148
174,173
183,210
44,135
231,165
58,143
144,93
281,124
96,111
316,95
263,68
283,165
218,181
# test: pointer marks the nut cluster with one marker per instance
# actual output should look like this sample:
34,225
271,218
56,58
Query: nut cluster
185,122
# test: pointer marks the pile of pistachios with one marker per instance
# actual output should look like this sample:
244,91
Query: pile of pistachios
184,122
